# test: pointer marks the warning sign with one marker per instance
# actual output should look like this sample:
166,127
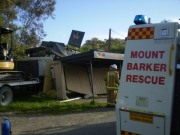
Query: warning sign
141,117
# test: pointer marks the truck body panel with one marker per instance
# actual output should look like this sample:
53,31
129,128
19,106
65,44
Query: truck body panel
146,92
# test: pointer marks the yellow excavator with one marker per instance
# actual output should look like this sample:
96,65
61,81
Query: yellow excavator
7,72
8,76
6,62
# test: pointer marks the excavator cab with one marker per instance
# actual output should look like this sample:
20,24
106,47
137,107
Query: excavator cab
6,61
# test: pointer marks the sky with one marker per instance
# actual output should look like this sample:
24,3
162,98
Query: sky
96,17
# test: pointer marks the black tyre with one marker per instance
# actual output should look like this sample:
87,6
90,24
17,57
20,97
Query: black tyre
6,96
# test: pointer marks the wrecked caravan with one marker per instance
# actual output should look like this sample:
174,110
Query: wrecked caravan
84,72
71,71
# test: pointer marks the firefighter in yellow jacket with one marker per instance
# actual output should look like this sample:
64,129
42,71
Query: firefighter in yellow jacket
112,83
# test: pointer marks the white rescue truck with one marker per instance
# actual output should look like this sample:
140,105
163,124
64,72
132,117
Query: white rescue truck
149,94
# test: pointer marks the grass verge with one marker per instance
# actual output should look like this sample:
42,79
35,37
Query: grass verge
44,105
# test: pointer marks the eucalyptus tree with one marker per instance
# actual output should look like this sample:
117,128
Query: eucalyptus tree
26,17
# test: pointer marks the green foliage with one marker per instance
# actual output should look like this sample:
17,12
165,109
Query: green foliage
72,48
26,18
30,38
7,12
117,45
85,48
18,52
31,15
36,104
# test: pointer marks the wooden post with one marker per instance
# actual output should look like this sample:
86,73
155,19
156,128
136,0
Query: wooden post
109,47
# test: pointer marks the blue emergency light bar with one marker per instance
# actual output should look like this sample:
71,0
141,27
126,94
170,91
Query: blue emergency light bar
140,19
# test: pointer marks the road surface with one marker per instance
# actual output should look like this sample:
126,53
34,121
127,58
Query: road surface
96,122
